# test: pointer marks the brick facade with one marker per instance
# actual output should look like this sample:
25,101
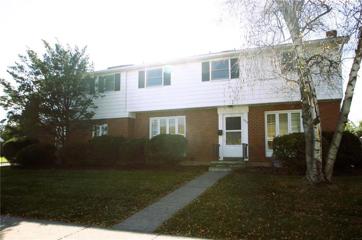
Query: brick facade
116,127
202,126
201,131
329,111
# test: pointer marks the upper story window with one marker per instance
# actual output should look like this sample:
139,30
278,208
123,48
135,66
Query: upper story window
100,130
288,62
167,125
281,123
154,77
109,83
220,69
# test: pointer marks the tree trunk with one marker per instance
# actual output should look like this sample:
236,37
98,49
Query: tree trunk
343,118
311,117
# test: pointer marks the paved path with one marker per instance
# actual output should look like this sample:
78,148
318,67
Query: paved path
21,229
150,218
4,164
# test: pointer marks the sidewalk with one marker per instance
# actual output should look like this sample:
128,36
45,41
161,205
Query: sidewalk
21,229
150,218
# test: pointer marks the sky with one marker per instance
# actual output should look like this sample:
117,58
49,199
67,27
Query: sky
120,32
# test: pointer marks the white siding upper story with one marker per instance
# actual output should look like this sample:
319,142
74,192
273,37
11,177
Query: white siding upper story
112,104
259,83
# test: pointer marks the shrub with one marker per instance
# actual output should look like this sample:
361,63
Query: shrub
14,145
133,151
166,149
36,155
104,150
349,152
75,154
290,150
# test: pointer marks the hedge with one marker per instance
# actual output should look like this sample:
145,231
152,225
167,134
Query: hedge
14,145
104,150
36,155
290,151
133,152
166,149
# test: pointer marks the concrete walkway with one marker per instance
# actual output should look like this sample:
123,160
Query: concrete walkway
22,229
150,218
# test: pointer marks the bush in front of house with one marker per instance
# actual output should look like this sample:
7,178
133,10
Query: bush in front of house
290,151
14,145
133,152
36,155
167,149
75,154
104,151
349,152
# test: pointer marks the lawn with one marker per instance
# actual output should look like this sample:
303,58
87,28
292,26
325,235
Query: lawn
88,197
3,160
254,205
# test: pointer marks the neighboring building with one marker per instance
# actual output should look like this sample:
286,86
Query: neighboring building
212,100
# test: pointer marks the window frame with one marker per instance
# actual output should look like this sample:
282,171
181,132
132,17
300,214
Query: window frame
163,68
96,84
167,118
229,68
269,152
100,129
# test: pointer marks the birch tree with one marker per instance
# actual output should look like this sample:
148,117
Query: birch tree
273,22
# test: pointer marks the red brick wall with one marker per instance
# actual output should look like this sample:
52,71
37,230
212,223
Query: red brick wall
201,131
116,127
329,111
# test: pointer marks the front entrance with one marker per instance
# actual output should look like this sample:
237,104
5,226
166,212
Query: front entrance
232,136
233,132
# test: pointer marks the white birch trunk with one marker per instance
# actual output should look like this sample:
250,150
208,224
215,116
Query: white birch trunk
343,118
311,117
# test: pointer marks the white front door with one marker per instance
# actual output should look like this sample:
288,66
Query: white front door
232,136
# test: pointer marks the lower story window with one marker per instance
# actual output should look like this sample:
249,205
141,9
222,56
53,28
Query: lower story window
280,123
168,125
100,130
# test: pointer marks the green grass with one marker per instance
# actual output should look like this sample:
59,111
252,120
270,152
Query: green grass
88,197
249,205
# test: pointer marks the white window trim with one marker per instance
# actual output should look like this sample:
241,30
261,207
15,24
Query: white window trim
100,129
167,124
269,152
163,68
220,59
104,75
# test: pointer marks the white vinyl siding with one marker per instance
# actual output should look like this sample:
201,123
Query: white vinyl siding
112,104
168,125
279,123
189,91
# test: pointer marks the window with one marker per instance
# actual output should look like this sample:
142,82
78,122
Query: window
167,125
108,83
233,130
154,77
281,123
100,130
288,63
220,69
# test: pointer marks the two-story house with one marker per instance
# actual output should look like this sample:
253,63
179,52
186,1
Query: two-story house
228,105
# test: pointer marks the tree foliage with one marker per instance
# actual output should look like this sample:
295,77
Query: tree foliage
50,91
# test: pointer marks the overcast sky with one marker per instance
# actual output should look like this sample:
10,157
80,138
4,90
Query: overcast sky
123,31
